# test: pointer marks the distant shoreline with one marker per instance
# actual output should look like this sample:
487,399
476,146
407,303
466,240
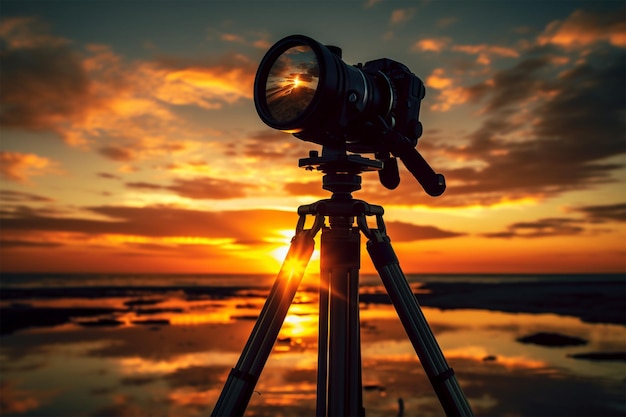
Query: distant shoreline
596,301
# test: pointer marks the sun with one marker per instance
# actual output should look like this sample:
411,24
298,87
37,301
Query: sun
296,82
280,252
284,240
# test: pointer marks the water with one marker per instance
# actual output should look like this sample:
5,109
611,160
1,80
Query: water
125,345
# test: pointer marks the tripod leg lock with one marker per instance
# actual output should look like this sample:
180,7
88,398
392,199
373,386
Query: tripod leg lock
243,376
380,250
440,380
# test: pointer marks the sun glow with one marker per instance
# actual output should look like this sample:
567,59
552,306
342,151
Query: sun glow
280,253
297,82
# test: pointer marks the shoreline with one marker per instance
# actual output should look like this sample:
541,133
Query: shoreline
592,302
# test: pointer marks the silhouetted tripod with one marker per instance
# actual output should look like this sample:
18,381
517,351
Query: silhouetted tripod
339,382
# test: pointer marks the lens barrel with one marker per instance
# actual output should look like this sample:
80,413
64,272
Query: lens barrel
303,87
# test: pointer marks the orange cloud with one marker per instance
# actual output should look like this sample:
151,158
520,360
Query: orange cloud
402,15
584,28
209,88
431,44
449,95
97,97
437,80
485,52
27,32
15,166
14,400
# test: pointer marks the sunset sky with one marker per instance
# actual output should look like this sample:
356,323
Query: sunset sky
130,141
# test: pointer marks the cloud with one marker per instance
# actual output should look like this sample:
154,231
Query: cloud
310,188
11,244
446,21
485,52
206,86
371,3
258,40
28,32
109,176
584,28
94,96
9,196
541,228
19,167
399,16
449,94
431,44
15,400
565,226
199,188
438,80
545,135
604,213
408,232
44,84
270,144
117,153
156,222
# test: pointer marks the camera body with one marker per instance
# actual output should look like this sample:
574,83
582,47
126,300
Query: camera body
405,92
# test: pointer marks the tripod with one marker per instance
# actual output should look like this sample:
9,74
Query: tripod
339,381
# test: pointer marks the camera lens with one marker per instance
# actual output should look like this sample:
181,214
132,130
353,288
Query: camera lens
291,83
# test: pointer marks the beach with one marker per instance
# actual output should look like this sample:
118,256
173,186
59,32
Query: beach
134,345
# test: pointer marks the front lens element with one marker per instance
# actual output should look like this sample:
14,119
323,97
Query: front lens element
291,83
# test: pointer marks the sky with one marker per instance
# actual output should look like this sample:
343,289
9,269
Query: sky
129,140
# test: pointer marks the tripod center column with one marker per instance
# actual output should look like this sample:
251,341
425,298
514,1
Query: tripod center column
340,347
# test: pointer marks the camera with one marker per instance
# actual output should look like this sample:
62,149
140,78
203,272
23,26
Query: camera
304,88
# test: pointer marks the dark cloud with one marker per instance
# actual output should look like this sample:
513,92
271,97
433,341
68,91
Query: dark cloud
16,400
541,228
209,188
565,226
249,228
514,85
406,232
12,244
108,176
9,196
117,153
145,186
604,213
199,188
157,221
573,131
273,144
43,80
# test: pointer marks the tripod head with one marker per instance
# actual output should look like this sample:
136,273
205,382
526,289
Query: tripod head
343,170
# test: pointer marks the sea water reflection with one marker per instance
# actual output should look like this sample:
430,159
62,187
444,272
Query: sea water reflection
168,353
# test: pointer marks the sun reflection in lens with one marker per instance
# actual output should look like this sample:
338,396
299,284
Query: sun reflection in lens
296,68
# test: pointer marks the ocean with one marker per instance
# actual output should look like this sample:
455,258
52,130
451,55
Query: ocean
163,344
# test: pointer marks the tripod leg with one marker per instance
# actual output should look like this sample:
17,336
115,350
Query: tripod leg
440,374
322,345
242,379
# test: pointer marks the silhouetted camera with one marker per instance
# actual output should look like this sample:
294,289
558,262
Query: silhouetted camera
304,88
